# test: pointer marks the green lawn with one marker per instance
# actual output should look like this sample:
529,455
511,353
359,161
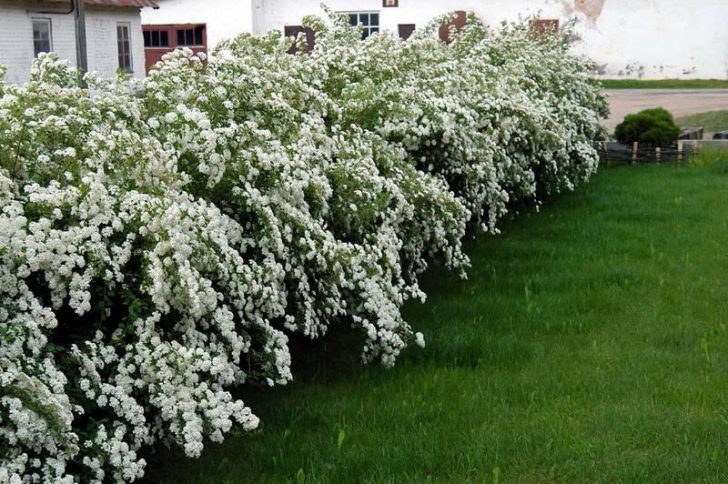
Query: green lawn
712,121
665,84
590,343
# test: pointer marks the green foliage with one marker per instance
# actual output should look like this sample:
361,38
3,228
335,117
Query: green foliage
654,127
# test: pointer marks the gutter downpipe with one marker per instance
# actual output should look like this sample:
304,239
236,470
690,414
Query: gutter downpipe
81,57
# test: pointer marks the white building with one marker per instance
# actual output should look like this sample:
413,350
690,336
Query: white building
113,35
626,38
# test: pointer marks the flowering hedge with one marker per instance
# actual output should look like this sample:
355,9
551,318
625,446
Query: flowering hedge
160,239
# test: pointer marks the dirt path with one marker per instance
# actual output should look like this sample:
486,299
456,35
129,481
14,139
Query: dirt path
679,102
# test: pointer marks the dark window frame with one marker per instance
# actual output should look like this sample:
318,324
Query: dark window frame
123,47
405,31
544,25
156,39
458,21
191,37
37,48
363,19
292,31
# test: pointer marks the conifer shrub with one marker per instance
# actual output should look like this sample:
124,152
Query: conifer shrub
654,127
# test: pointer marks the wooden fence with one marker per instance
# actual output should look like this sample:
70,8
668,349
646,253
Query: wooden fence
613,152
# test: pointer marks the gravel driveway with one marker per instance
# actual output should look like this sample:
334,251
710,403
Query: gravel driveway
679,102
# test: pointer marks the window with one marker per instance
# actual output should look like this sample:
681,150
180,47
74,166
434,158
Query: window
41,35
544,26
156,38
123,42
369,22
191,37
390,3
406,30
291,31
457,22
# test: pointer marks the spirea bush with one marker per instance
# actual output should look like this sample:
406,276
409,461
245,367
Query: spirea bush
161,240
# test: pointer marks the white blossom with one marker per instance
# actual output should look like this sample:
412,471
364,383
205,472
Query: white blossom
161,239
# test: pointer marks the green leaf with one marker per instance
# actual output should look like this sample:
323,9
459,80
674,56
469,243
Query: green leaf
340,440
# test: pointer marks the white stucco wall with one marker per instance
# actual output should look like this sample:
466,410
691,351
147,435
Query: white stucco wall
224,18
651,39
657,39
276,13
16,38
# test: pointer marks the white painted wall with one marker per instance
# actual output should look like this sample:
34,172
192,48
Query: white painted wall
651,39
102,49
276,13
658,39
16,38
224,18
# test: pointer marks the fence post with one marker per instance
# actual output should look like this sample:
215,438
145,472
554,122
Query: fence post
606,152
658,152
679,150
634,152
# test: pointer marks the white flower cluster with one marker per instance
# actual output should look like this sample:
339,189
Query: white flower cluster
160,240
